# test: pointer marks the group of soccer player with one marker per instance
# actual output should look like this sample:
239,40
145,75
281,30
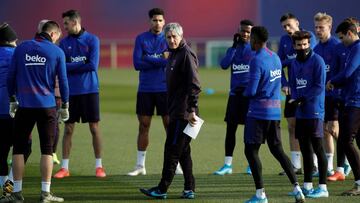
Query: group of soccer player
43,83
322,103
322,100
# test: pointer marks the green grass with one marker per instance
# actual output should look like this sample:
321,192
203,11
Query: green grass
119,131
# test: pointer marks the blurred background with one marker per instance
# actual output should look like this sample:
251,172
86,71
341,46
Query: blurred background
208,24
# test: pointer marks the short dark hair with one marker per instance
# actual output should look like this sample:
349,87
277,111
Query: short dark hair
7,34
287,16
346,26
72,14
156,11
50,26
353,20
300,35
246,22
260,34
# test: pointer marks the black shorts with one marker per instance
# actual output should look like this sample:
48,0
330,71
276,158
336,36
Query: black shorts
6,131
147,101
309,127
25,119
84,107
257,131
331,109
290,109
237,108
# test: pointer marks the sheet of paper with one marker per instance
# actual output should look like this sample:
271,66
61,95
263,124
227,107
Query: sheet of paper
193,131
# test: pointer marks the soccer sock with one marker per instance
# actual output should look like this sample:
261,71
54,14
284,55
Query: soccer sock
11,176
3,179
308,186
330,158
315,161
141,155
323,187
17,185
297,187
260,193
346,162
296,159
45,186
340,170
357,182
98,163
65,164
228,160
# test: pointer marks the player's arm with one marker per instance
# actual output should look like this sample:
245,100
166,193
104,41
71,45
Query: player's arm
319,77
62,78
353,62
254,78
11,76
92,61
228,59
193,82
138,60
156,61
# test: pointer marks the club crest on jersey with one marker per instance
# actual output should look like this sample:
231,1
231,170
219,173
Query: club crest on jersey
241,68
300,83
327,68
275,74
78,59
34,60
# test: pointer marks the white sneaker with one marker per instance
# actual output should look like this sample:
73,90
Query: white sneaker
179,170
139,170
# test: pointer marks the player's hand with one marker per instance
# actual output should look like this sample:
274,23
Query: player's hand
329,86
192,118
14,105
286,90
166,54
64,112
236,40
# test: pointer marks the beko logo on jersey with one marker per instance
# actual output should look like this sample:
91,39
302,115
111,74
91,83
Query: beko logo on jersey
155,55
301,83
241,68
78,59
34,60
275,74
327,68
291,56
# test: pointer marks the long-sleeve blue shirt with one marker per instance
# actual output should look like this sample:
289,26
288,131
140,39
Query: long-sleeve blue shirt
82,62
149,61
287,53
264,86
327,51
307,80
350,76
238,60
34,67
6,52
342,53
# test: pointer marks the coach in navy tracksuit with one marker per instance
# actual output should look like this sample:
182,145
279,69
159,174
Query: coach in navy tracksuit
237,58
264,114
31,80
81,50
307,82
349,79
286,52
183,91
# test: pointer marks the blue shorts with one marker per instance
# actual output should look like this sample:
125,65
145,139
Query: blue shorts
147,101
84,107
309,127
257,131
237,109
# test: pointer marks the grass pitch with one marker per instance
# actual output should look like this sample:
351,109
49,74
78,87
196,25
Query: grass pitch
119,130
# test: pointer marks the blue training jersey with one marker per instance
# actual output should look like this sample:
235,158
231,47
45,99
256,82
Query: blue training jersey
238,60
6,53
307,80
82,62
342,53
287,53
349,77
34,67
327,51
264,86
148,60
